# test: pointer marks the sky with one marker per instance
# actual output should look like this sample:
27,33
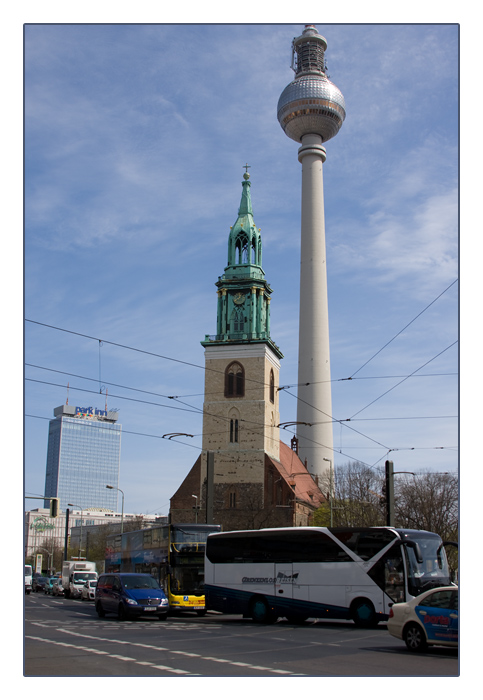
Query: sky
136,138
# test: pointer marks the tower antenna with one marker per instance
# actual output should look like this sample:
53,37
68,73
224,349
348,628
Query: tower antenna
67,399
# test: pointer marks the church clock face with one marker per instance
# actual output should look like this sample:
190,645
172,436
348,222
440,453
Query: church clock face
239,298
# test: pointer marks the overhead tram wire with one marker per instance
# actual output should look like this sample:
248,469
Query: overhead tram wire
188,408
403,380
197,410
129,347
133,432
403,329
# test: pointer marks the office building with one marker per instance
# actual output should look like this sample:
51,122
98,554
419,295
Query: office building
83,457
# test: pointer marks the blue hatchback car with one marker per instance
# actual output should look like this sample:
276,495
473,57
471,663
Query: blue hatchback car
130,595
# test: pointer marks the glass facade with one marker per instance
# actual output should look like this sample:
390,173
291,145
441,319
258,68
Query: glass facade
83,455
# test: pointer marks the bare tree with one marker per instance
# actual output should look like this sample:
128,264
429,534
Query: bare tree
356,498
426,501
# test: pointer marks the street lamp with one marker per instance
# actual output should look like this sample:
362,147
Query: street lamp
82,520
122,511
326,459
196,507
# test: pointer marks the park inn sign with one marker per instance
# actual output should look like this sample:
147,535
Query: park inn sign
80,411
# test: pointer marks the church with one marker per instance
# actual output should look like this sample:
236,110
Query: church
245,477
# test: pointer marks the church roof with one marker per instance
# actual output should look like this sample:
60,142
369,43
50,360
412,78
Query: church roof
294,472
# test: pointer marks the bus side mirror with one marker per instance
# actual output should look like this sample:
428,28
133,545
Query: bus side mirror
417,550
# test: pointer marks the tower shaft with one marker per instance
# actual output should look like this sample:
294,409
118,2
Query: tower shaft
311,111
314,393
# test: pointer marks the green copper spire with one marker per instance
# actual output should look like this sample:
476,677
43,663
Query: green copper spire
245,242
243,292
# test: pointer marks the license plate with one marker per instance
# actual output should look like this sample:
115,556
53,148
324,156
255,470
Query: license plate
149,609
198,607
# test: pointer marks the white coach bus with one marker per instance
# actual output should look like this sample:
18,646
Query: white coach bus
301,572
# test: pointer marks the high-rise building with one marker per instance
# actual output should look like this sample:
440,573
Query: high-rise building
311,111
83,457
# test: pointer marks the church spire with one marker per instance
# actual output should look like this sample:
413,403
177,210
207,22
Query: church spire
245,242
243,292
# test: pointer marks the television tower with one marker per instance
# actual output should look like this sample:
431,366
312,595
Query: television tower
311,111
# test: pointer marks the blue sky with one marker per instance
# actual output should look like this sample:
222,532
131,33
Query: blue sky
135,142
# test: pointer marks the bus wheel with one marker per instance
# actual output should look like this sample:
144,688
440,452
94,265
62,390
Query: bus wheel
363,613
200,613
261,612
414,638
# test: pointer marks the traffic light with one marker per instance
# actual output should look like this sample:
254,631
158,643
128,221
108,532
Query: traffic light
54,507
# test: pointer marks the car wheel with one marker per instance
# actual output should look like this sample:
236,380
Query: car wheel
163,617
363,613
100,610
415,638
261,612
122,613
200,613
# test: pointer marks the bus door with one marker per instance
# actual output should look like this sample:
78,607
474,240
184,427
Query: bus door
284,580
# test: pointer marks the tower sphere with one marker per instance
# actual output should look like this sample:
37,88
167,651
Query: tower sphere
311,103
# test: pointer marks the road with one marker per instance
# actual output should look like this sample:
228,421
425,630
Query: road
66,638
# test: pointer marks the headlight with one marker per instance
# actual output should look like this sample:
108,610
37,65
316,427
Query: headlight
130,601
164,601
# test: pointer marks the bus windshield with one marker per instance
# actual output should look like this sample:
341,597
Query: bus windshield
187,580
433,571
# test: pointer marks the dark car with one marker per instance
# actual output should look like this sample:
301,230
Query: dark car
38,584
130,595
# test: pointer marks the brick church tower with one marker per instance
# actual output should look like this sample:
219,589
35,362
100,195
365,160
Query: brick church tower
245,477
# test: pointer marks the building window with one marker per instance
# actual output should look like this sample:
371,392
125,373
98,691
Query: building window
272,386
238,321
233,499
234,430
234,380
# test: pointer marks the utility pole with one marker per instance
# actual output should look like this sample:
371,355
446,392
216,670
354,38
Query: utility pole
389,493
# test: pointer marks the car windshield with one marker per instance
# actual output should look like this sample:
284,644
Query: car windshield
433,571
140,582
82,577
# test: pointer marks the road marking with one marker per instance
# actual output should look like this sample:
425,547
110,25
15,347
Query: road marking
178,671
180,653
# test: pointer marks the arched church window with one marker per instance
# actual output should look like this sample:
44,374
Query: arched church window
241,248
272,386
234,380
234,430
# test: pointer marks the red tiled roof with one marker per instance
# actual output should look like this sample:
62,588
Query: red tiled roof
294,472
